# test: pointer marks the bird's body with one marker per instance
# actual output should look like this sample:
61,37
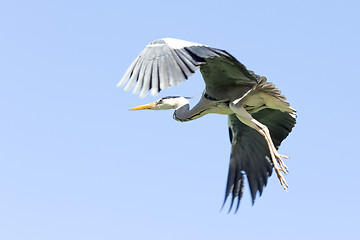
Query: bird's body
259,117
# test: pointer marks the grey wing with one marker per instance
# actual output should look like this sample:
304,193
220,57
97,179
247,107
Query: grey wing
250,154
225,71
167,62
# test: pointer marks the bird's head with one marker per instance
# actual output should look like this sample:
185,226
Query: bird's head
164,103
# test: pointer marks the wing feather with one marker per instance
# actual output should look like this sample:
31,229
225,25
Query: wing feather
147,79
128,73
163,74
134,76
250,154
175,60
182,66
155,87
142,70
192,62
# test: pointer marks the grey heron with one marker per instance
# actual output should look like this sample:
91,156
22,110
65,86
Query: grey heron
259,118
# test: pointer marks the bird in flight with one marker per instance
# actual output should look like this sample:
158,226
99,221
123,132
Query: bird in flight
259,118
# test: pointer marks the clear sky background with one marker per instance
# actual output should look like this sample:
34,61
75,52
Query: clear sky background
76,164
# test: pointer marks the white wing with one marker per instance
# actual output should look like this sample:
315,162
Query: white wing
164,63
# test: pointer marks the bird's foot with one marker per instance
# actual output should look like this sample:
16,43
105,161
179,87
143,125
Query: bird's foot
280,167
281,163
281,178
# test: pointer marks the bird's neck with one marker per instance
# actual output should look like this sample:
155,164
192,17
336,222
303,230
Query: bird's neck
183,113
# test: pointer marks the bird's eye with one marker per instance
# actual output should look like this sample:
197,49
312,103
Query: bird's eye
159,101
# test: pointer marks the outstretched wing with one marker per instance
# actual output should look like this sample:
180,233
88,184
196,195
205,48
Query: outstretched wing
167,62
250,154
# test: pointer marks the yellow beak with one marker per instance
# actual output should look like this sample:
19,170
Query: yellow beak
142,107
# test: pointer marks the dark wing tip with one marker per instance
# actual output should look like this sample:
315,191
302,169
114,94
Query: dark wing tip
235,187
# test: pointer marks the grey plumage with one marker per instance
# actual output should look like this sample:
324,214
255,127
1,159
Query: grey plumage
249,153
253,105
169,66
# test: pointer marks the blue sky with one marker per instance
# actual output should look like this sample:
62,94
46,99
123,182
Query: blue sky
76,164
